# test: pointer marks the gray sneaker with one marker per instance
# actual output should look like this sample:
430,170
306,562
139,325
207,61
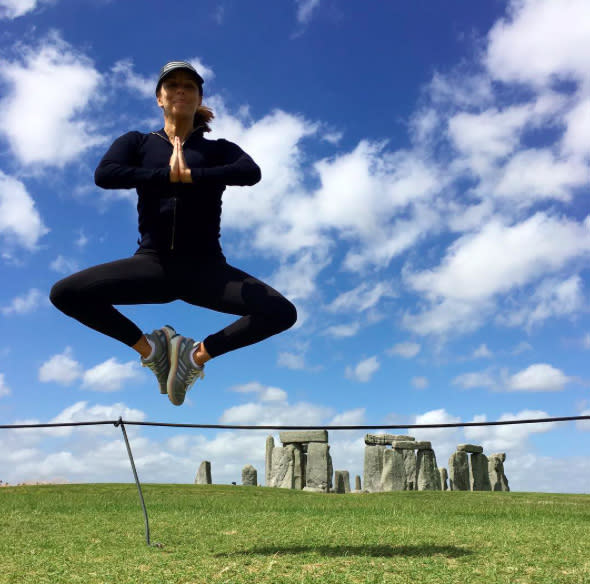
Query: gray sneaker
182,371
160,360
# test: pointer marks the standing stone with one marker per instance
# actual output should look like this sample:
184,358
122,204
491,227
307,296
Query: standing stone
298,466
459,472
443,479
341,481
282,468
317,478
270,444
498,479
393,475
410,466
330,471
373,468
479,478
249,476
357,483
428,477
204,474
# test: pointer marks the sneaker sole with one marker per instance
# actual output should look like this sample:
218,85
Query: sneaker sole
169,333
174,345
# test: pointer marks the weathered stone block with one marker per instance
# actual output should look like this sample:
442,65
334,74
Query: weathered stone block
409,445
301,436
249,476
479,478
341,481
410,466
203,474
298,466
498,480
357,483
428,477
443,479
393,475
318,467
459,472
282,468
385,439
471,448
270,444
373,467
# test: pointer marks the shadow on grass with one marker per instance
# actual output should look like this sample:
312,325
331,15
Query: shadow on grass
381,551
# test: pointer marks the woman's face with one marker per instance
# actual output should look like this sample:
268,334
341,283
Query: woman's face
179,95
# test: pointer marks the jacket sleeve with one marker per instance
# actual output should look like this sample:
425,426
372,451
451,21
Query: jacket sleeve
119,169
235,167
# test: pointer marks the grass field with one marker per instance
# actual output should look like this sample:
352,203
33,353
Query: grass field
231,534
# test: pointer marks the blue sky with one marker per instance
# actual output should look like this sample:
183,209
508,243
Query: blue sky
425,175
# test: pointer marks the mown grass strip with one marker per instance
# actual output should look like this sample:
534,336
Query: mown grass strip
228,534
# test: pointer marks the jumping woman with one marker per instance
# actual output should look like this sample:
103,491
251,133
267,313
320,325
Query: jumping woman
179,176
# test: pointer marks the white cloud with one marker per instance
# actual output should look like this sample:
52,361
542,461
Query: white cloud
107,376
62,368
361,298
475,379
82,240
553,298
541,41
354,417
482,351
264,393
364,370
295,361
123,74
54,134
508,437
500,257
305,9
343,330
539,377
406,350
111,375
20,221
64,265
26,304
420,382
11,9
4,389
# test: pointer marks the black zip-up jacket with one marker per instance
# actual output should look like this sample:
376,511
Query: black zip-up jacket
176,218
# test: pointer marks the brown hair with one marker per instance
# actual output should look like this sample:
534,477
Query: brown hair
203,116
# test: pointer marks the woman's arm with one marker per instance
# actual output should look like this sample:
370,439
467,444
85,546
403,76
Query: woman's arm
118,168
235,167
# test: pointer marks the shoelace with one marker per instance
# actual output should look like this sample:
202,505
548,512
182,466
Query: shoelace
193,376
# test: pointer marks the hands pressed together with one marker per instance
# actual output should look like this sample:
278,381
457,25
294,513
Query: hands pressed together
179,171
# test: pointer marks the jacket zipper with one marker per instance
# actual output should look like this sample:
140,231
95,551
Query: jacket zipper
173,224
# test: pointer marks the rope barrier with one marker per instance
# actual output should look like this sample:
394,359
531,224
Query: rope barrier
273,427
121,423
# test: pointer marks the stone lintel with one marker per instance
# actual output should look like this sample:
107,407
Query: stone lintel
385,439
472,448
303,436
408,445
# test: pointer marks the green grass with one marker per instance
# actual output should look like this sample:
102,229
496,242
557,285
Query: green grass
228,534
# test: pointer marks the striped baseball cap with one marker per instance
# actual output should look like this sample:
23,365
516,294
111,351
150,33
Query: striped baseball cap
174,66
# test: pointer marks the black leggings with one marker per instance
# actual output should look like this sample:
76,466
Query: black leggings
148,278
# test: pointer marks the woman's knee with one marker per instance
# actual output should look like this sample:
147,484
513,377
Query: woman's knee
286,317
63,295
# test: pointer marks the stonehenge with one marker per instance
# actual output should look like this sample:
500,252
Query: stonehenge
391,463
303,462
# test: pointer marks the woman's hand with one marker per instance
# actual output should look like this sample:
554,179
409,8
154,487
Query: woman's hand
179,172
